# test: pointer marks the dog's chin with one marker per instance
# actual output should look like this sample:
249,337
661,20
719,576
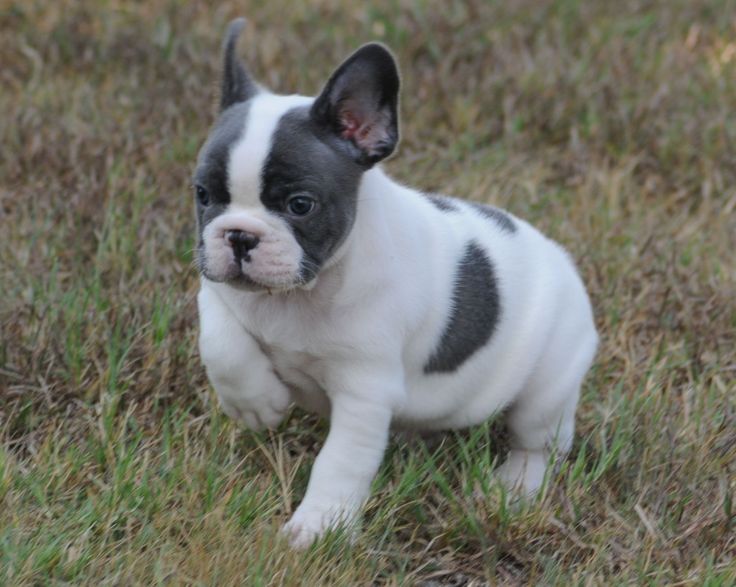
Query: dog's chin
244,282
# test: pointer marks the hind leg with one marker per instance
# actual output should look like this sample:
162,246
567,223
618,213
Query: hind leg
542,419
541,432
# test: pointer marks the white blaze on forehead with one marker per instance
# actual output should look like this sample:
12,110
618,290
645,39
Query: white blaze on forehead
249,154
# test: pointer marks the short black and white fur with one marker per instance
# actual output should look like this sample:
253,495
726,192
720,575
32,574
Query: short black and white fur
327,284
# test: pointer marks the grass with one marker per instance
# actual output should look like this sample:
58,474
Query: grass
611,126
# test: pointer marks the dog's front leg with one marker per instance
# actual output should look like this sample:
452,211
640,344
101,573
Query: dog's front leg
243,377
340,482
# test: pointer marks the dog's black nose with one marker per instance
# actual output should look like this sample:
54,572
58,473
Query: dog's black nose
242,243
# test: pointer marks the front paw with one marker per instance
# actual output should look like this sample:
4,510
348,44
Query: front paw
311,522
257,412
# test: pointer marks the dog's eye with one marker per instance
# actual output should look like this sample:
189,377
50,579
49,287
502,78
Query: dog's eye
300,205
203,196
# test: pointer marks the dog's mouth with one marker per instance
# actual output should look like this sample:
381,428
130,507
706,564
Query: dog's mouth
239,279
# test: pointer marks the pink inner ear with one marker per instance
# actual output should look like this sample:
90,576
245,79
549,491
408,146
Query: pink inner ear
350,125
366,134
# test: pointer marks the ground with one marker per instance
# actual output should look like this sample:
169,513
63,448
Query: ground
609,125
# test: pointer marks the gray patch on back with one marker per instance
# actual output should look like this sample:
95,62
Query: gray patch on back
475,312
446,204
500,217
442,203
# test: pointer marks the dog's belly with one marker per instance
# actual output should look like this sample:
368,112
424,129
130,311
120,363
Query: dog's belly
479,390
432,402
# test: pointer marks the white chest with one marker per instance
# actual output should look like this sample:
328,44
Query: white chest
304,374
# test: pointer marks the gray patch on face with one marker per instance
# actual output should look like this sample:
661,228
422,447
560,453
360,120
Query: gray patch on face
500,217
211,172
303,161
442,203
475,312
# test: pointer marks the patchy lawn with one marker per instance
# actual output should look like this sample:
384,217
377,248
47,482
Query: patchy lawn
611,126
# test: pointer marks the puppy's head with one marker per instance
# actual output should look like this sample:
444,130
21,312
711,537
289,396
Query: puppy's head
277,179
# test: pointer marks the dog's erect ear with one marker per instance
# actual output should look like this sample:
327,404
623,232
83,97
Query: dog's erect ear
237,85
359,104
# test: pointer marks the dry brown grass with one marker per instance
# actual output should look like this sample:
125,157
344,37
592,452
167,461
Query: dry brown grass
611,126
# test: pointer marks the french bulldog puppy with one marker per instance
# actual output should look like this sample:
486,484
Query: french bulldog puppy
327,284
